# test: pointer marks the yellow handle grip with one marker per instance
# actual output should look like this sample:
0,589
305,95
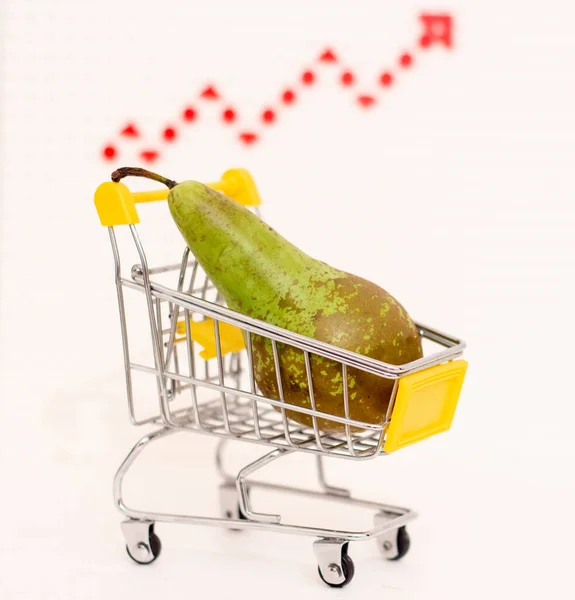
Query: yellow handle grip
116,204
151,196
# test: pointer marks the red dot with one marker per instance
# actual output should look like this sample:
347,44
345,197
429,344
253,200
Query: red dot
405,60
109,152
288,97
189,114
229,115
268,116
347,78
169,134
424,41
386,79
308,77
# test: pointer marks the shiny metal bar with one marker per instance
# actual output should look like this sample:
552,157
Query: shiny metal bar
281,393
172,389
312,402
176,390
123,325
346,409
434,335
205,288
391,404
193,277
192,367
242,487
227,477
175,308
237,368
252,382
156,341
129,460
221,375
330,489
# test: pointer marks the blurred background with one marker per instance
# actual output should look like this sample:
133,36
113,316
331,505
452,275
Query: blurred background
425,146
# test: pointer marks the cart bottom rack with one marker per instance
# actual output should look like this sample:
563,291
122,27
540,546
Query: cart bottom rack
335,566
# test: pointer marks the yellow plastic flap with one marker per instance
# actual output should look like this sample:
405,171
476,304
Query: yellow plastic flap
238,185
231,338
425,404
115,204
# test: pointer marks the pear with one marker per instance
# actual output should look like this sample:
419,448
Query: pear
261,274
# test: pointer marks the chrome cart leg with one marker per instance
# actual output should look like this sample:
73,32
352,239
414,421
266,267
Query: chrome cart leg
242,486
394,544
128,461
142,544
220,461
229,503
335,566
328,489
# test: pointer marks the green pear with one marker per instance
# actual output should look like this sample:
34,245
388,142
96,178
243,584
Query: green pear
261,274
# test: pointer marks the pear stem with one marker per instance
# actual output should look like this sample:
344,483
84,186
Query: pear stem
138,172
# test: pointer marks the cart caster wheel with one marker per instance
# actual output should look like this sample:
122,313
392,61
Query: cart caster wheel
144,548
335,568
348,569
395,545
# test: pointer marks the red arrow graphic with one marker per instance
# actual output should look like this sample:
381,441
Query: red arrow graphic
437,30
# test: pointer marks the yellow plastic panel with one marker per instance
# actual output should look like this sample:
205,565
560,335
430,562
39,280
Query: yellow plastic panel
425,404
115,204
231,338
238,185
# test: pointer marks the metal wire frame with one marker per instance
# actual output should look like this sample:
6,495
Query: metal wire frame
388,518
237,412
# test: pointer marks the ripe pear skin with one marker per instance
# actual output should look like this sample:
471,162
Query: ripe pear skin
261,274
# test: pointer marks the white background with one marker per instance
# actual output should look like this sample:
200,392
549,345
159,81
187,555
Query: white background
455,192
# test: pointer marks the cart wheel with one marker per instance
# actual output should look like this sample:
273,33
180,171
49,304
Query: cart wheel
348,569
146,552
396,547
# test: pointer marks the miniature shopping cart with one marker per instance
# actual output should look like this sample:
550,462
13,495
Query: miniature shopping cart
200,372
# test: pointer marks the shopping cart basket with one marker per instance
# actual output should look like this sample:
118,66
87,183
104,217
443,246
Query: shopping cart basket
203,370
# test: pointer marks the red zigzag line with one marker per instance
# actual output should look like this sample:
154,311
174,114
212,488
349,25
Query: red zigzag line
269,114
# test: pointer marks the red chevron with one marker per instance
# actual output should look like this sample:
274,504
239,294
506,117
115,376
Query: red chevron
210,93
248,137
328,56
130,131
149,155
437,29
366,101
